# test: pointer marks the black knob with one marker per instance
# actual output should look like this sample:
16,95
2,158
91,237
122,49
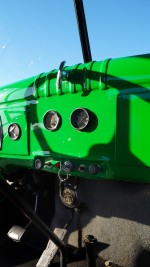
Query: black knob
94,169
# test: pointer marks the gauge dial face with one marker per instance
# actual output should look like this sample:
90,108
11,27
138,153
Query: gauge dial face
80,119
51,120
14,131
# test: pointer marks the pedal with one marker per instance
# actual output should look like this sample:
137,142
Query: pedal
51,249
16,233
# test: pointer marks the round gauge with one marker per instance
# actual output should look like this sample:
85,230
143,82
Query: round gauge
14,131
80,118
51,120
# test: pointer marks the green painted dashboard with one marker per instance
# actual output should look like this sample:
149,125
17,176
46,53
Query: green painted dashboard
116,143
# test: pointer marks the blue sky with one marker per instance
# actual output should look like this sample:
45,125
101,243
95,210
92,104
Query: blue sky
36,35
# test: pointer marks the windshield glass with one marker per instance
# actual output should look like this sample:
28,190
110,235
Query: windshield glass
35,36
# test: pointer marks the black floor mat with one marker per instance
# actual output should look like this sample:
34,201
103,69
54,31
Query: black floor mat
13,254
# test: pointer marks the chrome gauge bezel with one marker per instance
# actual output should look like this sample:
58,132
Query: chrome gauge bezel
57,123
73,119
15,137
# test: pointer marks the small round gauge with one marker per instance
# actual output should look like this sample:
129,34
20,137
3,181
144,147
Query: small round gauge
80,118
52,120
14,131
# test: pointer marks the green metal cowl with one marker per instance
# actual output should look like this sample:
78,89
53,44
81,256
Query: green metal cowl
116,142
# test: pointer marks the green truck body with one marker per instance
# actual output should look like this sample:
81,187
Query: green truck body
116,92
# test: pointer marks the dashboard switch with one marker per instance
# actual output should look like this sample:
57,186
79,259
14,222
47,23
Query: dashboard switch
94,169
67,166
38,164
82,168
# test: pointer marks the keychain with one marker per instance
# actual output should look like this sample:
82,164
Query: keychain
67,191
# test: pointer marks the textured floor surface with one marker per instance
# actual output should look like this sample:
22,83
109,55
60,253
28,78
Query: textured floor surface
20,255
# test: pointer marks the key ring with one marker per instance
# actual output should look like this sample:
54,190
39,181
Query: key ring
62,180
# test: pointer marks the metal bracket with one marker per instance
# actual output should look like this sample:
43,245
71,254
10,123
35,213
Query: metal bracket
59,74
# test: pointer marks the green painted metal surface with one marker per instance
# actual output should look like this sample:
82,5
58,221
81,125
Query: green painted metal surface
116,92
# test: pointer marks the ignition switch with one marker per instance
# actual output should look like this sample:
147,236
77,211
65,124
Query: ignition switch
67,166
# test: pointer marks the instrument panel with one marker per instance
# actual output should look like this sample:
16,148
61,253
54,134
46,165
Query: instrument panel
82,124
52,120
14,131
80,119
